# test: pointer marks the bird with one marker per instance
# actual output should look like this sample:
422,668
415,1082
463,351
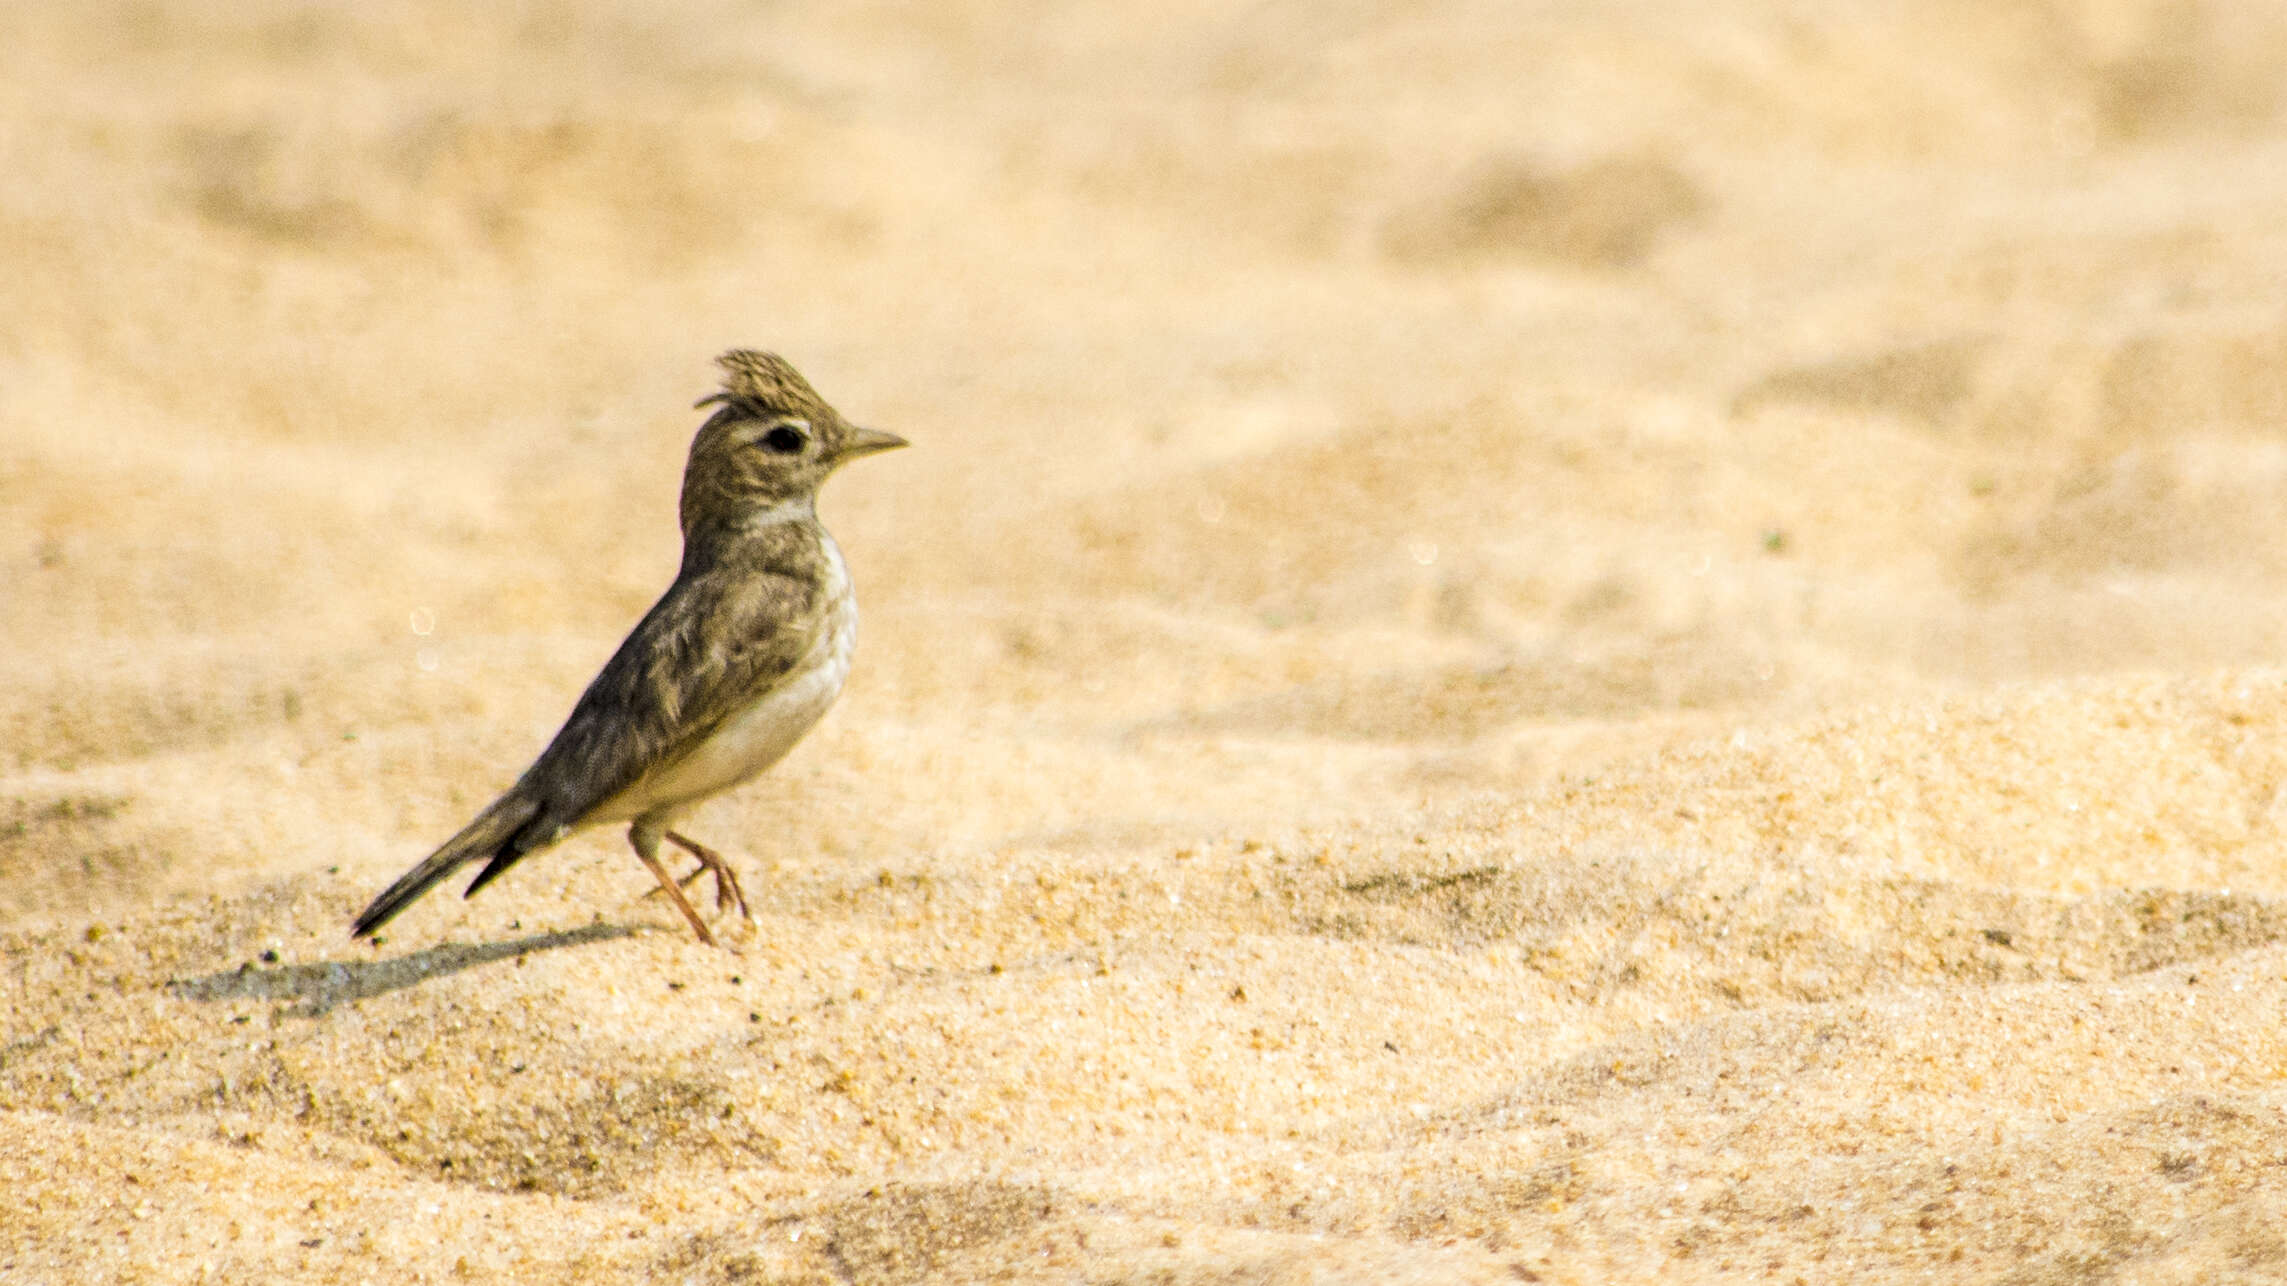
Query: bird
737,660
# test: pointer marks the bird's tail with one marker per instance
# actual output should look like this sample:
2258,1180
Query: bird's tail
499,832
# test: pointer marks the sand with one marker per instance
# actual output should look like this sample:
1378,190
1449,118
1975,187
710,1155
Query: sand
1564,643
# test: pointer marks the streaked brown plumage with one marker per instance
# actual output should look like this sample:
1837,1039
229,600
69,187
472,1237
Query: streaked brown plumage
734,663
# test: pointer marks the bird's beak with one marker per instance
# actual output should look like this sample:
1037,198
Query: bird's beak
868,441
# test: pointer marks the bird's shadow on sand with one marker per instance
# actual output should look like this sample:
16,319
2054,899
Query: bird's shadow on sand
316,988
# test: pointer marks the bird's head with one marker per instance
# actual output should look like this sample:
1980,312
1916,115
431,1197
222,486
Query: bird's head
771,440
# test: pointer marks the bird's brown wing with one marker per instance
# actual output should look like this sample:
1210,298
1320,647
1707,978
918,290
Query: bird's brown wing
713,641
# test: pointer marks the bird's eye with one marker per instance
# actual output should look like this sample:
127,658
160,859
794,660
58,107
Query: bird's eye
785,440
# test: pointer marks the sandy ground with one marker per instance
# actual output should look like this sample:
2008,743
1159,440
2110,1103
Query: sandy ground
1561,643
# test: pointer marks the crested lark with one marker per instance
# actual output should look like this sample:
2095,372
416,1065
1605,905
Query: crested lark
735,662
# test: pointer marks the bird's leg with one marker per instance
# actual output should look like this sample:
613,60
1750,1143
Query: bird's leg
646,843
727,890
682,881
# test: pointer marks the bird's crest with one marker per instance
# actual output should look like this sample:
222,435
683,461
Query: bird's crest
762,382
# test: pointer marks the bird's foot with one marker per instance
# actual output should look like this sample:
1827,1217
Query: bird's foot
675,894
728,894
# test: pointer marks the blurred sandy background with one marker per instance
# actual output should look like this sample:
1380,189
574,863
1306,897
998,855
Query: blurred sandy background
1547,642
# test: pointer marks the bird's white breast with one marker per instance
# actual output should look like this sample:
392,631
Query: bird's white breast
760,734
